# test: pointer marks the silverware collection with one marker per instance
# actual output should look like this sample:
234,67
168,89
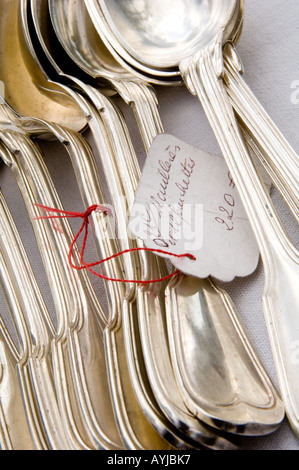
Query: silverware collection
163,365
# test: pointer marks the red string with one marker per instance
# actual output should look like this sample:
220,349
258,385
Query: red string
85,216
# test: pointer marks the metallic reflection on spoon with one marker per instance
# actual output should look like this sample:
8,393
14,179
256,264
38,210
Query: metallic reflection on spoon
14,425
20,90
204,436
201,63
274,152
64,25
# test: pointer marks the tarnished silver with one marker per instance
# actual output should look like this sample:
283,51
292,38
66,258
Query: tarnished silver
21,90
126,369
202,69
135,429
146,436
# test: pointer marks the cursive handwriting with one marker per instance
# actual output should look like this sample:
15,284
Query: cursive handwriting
163,221
164,171
228,208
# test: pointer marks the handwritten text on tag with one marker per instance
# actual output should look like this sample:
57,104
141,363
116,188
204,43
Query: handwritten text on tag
187,201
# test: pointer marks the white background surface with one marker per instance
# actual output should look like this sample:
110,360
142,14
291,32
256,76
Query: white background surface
269,48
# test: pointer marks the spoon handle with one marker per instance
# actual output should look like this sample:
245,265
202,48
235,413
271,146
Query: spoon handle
278,157
14,426
20,144
143,100
89,184
279,256
76,310
120,166
15,422
28,312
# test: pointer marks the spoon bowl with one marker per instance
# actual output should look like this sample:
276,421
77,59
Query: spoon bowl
70,28
25,89
273,151
161,35
203,71
153,43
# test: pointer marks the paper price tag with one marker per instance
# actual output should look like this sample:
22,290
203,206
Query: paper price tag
187,202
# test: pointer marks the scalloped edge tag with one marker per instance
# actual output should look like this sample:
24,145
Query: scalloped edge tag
187,202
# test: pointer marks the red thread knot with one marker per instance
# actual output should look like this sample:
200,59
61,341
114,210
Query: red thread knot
85,215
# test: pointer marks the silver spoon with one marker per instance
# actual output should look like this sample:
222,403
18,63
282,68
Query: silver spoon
119,380
203,434
62,334
14,425
79,38
147,434
69,409
200,62
65,26
149,304
215,291
64,29
89,184
21,91
145,429
277,156
275,153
